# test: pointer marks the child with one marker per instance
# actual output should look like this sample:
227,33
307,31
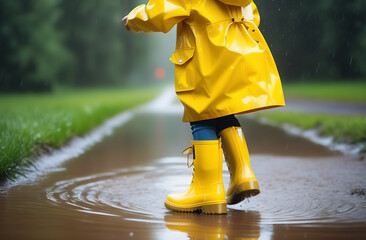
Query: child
223,66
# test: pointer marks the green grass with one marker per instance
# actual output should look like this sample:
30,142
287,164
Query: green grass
345,91
348,129
29,121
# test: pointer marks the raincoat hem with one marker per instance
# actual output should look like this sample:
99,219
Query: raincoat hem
208,116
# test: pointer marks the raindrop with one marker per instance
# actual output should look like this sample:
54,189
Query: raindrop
317,67
279,9
131,234
350,62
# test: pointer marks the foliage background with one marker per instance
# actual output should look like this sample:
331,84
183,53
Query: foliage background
316,39
49,43
46,43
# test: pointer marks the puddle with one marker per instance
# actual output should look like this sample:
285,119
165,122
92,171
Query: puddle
299,196
116,190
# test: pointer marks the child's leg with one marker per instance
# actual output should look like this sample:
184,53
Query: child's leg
206,192
243,183
204,130
209,129
226,122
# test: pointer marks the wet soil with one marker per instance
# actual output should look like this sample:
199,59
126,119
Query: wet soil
327,107
116,190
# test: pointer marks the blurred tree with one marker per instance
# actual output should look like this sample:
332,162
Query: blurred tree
83,42
32,52
357,9
66,42
316,39
342,25
103,51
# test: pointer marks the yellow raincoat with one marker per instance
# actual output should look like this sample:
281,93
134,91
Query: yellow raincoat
222,63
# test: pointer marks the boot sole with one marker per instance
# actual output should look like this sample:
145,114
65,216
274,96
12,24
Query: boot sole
220,208
243,191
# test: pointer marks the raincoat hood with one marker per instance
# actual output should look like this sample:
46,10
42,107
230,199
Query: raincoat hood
239,3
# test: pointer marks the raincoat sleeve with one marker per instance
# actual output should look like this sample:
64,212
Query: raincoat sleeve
158,15
257,18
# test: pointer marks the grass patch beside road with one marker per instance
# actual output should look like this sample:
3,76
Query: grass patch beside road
345,91
349,129
29,121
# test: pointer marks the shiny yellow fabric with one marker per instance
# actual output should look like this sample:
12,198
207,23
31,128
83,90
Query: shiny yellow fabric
222,63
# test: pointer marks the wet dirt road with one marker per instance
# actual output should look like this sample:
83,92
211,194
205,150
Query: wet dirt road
336,108
116,190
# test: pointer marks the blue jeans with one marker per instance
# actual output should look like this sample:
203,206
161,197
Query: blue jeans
209,129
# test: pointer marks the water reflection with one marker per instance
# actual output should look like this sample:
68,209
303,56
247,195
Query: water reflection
117,188
235,225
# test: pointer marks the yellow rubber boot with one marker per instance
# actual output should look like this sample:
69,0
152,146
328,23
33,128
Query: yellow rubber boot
243,183
206,192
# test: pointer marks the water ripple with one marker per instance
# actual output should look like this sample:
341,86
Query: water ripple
138,193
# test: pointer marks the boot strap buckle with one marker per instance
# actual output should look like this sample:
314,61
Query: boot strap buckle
188,151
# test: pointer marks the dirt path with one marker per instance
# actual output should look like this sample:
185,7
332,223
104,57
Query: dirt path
116,190
313,106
